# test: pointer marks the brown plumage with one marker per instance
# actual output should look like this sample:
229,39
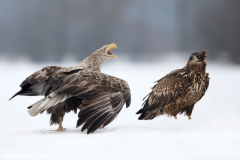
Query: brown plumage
100,97
178,91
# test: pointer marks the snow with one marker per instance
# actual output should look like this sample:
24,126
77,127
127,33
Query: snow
213,132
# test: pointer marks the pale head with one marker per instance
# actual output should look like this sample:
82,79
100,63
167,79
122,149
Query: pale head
106,51
97,58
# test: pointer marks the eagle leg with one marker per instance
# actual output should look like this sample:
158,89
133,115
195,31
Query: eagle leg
189,111
57,118
175,117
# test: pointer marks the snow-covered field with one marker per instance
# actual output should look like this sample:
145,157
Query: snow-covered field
213,132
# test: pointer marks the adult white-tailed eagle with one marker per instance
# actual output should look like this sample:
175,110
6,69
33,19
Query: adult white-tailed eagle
100,97
178,91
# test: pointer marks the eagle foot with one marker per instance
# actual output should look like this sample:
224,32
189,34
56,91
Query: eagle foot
60,128
189,117
175,117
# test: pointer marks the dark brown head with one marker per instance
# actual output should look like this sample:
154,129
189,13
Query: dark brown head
197,62
198,57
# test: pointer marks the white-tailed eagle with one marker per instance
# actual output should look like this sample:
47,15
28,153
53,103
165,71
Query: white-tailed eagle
178,91
100,97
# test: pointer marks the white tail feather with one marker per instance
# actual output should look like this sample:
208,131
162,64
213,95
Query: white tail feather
32,111
47,102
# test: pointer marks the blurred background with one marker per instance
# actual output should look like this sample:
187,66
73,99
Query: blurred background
57,30
153,37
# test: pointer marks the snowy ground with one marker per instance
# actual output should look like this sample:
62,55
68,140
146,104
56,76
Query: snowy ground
213,132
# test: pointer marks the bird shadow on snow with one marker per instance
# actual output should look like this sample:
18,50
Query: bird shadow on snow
75,131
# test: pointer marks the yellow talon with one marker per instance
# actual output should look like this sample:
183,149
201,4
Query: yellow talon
60,128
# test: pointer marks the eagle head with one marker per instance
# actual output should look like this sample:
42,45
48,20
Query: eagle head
106,51
198,56
99,57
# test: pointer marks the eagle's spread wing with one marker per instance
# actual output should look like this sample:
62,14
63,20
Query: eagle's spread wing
99,96
164,92
36,83
103,96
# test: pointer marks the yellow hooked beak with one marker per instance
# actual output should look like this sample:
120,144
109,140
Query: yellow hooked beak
112,46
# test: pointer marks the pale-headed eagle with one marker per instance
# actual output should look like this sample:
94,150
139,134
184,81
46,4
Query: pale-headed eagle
178,91
100,97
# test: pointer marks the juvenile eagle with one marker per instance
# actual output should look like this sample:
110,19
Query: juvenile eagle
100,97
178,91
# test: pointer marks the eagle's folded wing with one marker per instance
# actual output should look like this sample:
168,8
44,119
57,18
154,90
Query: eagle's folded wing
164,92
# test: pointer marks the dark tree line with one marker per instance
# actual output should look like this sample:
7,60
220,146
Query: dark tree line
53,29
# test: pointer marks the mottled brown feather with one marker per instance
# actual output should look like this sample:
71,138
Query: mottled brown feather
178,91
40,75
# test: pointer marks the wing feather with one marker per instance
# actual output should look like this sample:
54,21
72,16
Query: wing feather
103,97
167,90
40,75
36,83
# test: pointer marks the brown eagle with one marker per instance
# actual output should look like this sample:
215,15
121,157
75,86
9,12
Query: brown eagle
100,97
178,91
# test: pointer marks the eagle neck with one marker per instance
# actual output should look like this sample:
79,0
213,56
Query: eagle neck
195,70
93,62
